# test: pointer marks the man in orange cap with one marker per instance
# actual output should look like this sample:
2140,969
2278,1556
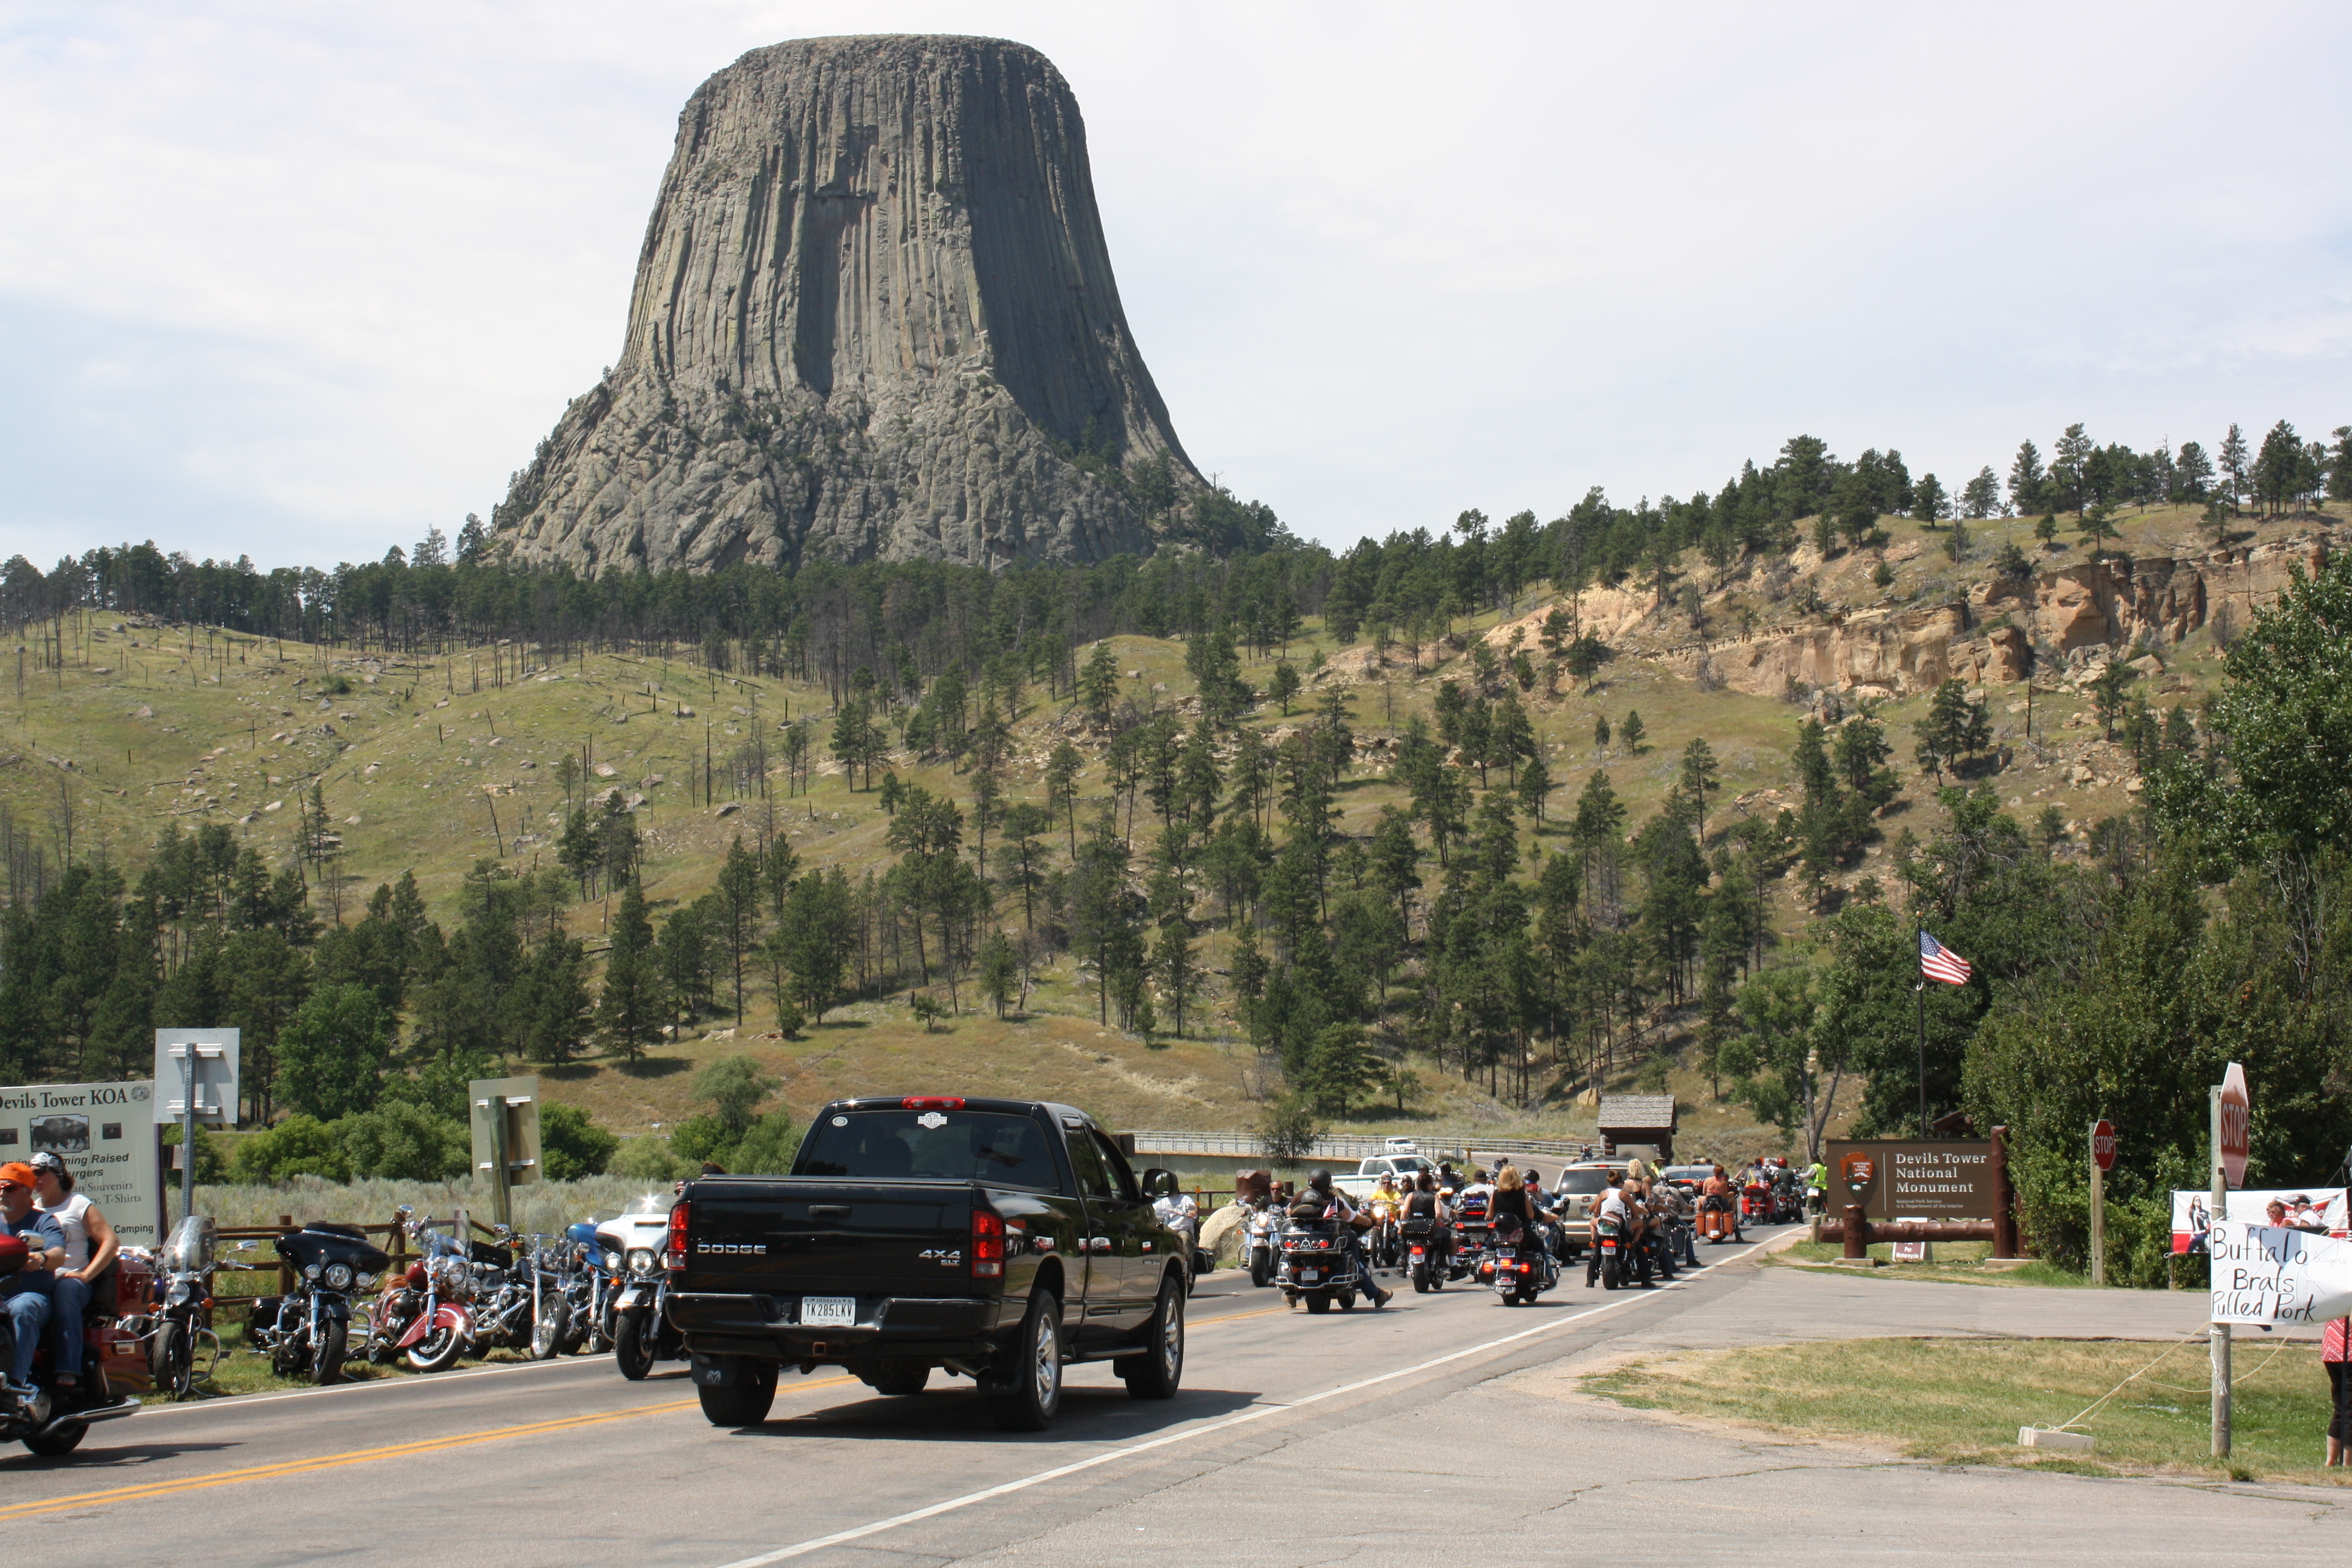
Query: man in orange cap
25,1295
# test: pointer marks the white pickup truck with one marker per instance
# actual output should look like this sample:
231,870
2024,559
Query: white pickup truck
1402,1162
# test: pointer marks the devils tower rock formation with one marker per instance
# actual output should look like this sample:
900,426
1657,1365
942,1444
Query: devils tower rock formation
874,316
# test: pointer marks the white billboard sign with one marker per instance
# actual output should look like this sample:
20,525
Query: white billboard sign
105,1132
2267,1274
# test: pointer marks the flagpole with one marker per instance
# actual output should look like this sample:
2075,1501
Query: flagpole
1919,994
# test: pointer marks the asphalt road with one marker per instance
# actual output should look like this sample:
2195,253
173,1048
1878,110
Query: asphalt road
1415,1434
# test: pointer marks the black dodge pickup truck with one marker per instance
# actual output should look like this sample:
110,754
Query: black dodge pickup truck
1000,1239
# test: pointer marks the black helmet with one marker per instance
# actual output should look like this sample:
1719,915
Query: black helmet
1318,1179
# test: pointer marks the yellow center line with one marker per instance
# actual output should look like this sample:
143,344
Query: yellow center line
145,1491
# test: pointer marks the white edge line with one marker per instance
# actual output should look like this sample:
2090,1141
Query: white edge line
410,1380
931,1510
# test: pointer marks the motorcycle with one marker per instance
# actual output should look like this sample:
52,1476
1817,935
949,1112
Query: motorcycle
1425,1254
1518,1268
504,1304
570,1305
51,1421
180,1327
1262,1248
1316,1267
1384,1243
632,1241
1609,1235
427,1319
305,1333
1471,1239
1718,1222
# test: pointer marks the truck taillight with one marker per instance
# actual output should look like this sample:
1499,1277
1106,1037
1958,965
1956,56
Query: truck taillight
674,1253
987,1245
933,1102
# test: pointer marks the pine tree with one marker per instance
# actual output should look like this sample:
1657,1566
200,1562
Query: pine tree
1701,777
629,1010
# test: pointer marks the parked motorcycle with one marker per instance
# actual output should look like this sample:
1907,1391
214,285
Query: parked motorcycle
589,1288
633,1241
427,1319
306,1332
178,1327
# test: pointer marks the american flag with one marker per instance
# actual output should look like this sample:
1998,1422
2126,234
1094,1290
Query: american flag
1938,962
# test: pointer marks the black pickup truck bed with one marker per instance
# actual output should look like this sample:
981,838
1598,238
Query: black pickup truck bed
998,1239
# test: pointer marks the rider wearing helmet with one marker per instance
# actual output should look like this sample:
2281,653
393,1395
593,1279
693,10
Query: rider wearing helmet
1329,1203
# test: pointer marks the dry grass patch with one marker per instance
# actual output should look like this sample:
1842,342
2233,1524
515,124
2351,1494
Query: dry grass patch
1962,1401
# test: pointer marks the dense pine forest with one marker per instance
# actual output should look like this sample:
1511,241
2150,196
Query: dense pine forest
1187,861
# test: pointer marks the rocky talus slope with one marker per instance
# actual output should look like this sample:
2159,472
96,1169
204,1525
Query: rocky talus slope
874,316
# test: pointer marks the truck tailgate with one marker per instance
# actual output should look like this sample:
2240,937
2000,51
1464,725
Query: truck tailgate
816,1237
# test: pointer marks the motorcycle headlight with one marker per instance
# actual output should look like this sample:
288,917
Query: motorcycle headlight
613,1261
311,1272
367,1281
641,1260
337,1277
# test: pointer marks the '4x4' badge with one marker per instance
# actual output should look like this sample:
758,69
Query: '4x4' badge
947,1257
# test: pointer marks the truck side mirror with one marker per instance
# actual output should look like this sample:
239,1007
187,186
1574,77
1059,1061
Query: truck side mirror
1159,1184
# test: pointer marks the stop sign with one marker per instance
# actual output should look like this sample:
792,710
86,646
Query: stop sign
2103,1144
2237,1124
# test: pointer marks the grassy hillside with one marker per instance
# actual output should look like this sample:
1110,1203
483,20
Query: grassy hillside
432,764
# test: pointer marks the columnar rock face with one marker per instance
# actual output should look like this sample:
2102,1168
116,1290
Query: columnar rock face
874,316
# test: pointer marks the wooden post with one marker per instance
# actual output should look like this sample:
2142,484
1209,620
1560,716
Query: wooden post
1857,1232
285,1269
2098,1215
2004,1198
2218,1334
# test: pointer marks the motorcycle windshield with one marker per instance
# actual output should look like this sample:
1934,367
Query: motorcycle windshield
191,1245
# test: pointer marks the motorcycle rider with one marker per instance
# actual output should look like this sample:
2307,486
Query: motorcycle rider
1610,1204
1718,1197
1426,1202
27,1295
1334,1205
1513,1211
1816,1186
1667,1199
90,1249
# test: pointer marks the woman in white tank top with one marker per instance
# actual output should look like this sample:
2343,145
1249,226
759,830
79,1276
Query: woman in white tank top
90,1242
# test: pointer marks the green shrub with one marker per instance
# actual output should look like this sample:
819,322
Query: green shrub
299,1146
767,1150
700,1138
646,1158
404,1143
571,1145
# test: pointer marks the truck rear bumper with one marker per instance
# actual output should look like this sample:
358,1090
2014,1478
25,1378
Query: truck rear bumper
912,1328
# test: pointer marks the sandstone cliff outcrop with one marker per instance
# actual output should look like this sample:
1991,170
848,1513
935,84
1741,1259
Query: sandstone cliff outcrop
2007,626
874,316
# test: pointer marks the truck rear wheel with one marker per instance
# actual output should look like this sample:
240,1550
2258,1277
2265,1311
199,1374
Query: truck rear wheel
1031,1393
743,1401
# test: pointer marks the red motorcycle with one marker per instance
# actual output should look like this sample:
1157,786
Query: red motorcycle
50,1420
427,1319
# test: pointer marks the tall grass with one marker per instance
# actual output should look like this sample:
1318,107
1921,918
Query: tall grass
544,1206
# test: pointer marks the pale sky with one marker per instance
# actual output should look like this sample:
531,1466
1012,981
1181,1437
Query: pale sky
301,281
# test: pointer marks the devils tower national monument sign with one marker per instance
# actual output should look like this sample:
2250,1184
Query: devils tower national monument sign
874,316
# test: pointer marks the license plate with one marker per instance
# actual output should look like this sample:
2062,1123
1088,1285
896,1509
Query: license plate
1310,1274
829,1312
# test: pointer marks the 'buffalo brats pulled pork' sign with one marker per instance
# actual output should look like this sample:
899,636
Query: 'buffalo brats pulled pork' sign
2273,1275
